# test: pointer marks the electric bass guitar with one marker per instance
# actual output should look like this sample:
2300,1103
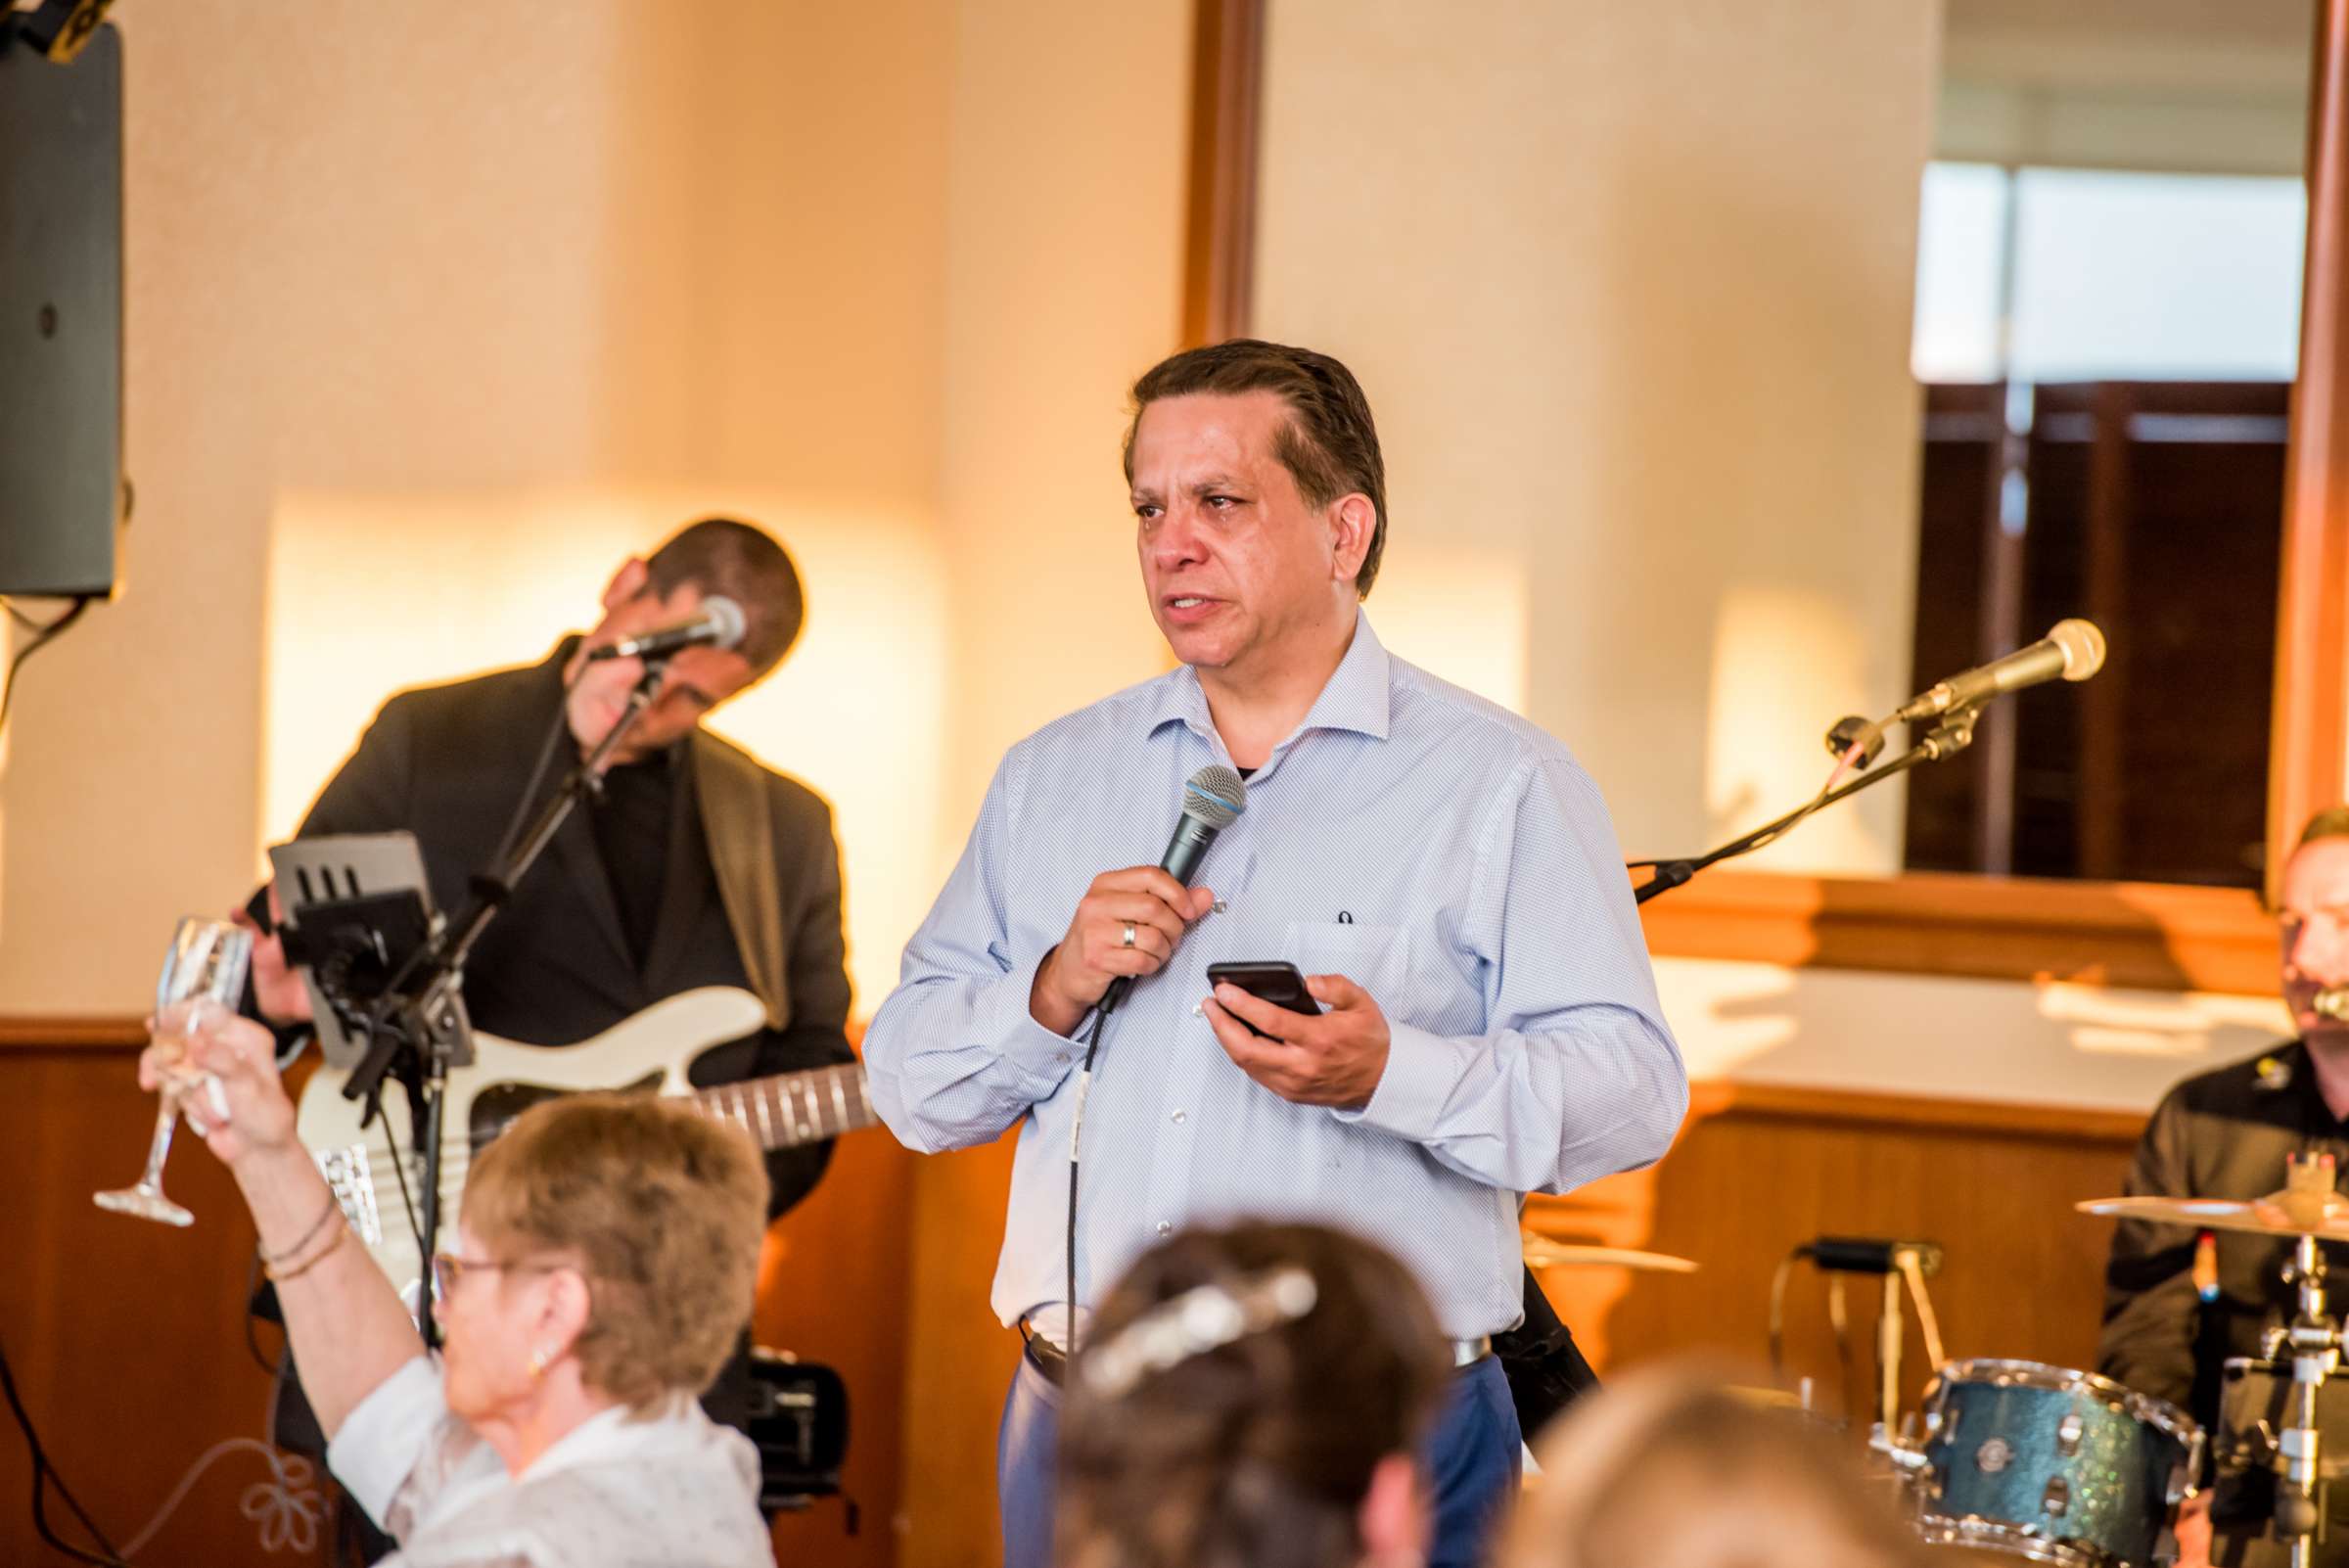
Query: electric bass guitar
376,1171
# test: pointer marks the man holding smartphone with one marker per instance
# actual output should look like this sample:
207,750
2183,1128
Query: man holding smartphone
1442,872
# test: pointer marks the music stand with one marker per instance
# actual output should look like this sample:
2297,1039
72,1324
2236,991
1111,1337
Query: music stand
357,912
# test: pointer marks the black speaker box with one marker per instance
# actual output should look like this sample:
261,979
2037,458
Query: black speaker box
62,492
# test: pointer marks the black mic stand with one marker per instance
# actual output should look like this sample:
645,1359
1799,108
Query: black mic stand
418,1028
1952,734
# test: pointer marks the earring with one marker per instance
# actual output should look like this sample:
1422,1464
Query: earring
541,1359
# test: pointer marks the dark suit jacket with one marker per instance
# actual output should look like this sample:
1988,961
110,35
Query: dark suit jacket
448,764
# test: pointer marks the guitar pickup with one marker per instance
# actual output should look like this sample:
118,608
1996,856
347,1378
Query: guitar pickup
351,1178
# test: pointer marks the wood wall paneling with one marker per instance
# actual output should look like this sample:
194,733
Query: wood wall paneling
1758,1171
127,1338
833,1287
958,1361
2312,657
2150,934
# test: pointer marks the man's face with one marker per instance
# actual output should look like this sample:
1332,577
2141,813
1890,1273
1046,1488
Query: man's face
2315,926
698,678
1238,568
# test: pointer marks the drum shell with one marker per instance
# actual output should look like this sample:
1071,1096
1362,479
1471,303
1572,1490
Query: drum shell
2049,1463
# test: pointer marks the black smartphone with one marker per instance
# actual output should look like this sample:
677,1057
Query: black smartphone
1275,980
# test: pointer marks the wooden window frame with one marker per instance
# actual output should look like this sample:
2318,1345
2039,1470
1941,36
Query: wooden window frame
2155,935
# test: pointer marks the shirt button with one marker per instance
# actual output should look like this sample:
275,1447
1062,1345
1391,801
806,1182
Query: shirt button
1165,1229
1179,1118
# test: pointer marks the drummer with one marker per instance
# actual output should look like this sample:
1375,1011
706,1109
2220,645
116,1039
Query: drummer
2177,1307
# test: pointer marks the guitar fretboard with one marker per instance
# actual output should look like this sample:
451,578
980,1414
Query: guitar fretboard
794,1108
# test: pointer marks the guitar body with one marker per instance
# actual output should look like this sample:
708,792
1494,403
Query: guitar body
648,1053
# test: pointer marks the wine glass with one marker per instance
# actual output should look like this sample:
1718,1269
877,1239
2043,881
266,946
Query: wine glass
202,983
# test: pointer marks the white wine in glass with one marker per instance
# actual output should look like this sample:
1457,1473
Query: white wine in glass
203,980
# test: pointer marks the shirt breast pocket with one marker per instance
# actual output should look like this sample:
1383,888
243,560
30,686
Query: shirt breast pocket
1377,958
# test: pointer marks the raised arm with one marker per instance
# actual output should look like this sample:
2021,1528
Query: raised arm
347,1327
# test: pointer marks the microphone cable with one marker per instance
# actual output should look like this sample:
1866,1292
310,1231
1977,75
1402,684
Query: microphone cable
1097,1027
44,1474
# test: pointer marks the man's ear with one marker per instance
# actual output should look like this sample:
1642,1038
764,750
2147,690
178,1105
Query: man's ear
631,580
1352,521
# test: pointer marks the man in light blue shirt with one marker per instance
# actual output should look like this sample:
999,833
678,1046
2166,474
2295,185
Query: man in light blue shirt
1442,870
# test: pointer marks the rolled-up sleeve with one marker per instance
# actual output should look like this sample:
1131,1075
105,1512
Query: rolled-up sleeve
1576,1075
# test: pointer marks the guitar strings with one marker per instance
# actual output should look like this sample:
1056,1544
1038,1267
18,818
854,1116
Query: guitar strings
737,1104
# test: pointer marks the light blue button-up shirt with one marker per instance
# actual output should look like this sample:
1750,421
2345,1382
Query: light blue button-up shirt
1444,853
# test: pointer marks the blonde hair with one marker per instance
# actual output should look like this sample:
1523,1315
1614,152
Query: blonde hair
1667,1468
662,1209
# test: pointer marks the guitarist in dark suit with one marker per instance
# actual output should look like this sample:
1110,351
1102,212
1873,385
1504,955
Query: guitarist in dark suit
696,866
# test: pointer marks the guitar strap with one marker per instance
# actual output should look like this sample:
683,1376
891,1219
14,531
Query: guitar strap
731,791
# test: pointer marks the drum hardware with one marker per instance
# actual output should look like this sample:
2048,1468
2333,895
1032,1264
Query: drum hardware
2045,1464
2308,1209
1894,1262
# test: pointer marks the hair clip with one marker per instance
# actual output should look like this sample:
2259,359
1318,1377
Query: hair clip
1203,1318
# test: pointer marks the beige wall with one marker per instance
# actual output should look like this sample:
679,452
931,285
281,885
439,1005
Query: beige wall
428,326
1630,287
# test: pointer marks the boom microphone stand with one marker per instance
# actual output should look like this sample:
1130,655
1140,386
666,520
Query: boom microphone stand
418,1028
1951,735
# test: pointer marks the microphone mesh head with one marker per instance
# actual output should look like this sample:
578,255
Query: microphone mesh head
1215,795
2082,648
727,617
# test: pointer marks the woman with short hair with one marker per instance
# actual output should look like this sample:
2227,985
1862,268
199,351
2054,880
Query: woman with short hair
602,1268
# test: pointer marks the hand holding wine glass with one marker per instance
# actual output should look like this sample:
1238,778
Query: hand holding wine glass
202,983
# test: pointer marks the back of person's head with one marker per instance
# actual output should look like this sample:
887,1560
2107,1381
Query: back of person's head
1669,1468
660,1207
1330,444
2333,822
720,556
1237,1392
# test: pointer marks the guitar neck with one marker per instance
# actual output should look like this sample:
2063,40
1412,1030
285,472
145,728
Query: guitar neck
790,1109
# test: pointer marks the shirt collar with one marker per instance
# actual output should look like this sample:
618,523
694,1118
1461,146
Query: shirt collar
1357,696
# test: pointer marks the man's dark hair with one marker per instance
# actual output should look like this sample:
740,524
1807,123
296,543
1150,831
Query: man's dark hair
718,555
1330,444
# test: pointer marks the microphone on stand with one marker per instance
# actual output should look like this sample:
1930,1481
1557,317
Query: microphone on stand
2072,650
720,623
1213,798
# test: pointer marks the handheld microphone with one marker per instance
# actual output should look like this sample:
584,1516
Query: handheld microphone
2073,650
1211,801
1871,1255
719,624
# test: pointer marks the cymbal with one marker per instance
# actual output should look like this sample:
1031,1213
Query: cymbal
2306,1206
1544,1253
2266,1217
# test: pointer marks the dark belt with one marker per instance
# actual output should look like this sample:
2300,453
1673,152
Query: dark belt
1045,1357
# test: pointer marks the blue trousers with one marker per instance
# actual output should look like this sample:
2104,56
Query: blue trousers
1471,1465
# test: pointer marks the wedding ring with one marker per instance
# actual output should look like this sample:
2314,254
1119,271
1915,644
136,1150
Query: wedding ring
1126,940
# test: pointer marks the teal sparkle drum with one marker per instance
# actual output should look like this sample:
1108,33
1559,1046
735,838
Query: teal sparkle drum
2051,1465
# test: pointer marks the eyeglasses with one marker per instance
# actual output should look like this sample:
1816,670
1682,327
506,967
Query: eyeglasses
449,1269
